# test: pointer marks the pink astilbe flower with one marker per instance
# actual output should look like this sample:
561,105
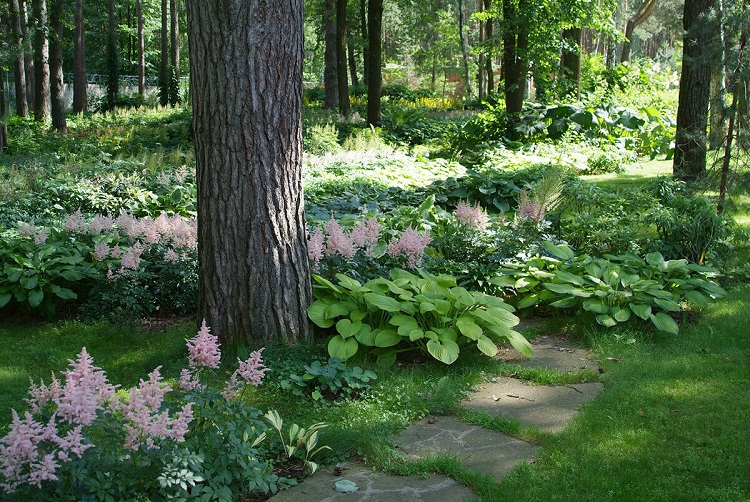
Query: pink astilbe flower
132,258
100,224
530,210
147,422
366,234
472,216
73,442
23,460
27,229
85,392
75,223
249,371
337,242
40,395
316,247
204,349
41,236
410,245
171,256
101,251
189,381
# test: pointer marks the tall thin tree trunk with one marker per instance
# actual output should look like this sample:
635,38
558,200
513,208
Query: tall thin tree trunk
374,75
141,51
164,48
488,36
330,59
515,46
174,59
365,41
341,72
571,61
41,63
716,137
57,90
246,86
464,49
113,58
22,106
481,73
352,64
3,112
28,55
80,98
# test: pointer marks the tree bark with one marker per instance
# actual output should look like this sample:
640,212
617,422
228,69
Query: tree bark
80,98
246,88
365,40
164,48
515,47
57,90
341,71
481,73
695,83
41,63
28,55
643,12
330,69
571,61
464,49
488,36
174,53
352,64
375,55
19,71
113,59
141,51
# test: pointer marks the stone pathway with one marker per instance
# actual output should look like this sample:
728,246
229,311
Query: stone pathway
548,408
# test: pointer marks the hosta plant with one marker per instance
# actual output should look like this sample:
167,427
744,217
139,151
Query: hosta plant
612,288
409,312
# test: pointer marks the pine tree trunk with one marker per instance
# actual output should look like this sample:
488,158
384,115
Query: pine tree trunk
80,98
488,36
164,48
352,64
57,91
341,71
141,51
19,72
330,69
28,55
464,49
375,55
515,46
695,83
41,63
113,58
571,61
174,53
246,87
365,40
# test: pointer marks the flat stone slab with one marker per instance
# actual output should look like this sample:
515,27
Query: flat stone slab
548,407
375,486
552,352
479,449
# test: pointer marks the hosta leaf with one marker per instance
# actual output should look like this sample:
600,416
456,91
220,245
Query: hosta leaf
660,293
569,278
520,343
563,289
398,320
348,283
665,323
654,259
528,301
469,328
407,327
487,346
641,310
71,275
425,307
29,282
366,336
342,348
503,316
620,315
445,352
4,299
382,302
387,338
560,251
317,314
606,320
697,298
347,328
416,334
669,305
66,294
339,309
595,305
443,306
325,282
504,281
35,297
565,303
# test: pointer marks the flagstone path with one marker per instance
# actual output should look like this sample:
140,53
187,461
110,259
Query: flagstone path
548,408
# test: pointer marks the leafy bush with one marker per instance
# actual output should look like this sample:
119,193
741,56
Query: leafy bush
321,139
83,440
611,288
426,313
329,380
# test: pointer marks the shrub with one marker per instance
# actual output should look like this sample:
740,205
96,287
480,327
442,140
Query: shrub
329,380
424,313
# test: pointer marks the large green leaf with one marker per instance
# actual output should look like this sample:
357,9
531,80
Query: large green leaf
595,305
65,294
502,315
29,282
641,310
669,305
560,251
347,328
520,343
445,351
317,314
569,278
382,302
35,297
528,301
325,282
697,298
606,320
344,349
487,346
387,338
665,323
339,309
348,283
565,303
469,328
366,336
620,314
4,299
408,327
562,289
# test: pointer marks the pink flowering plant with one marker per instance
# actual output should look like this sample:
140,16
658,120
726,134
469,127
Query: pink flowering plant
84,437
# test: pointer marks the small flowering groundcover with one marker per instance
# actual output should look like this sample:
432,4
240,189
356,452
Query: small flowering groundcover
426,313
83,438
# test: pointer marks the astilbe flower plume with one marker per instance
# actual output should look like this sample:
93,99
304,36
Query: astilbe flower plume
249,371
366,234
23,460
85,392
337,242
472,216
204,349
316,247
410,244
